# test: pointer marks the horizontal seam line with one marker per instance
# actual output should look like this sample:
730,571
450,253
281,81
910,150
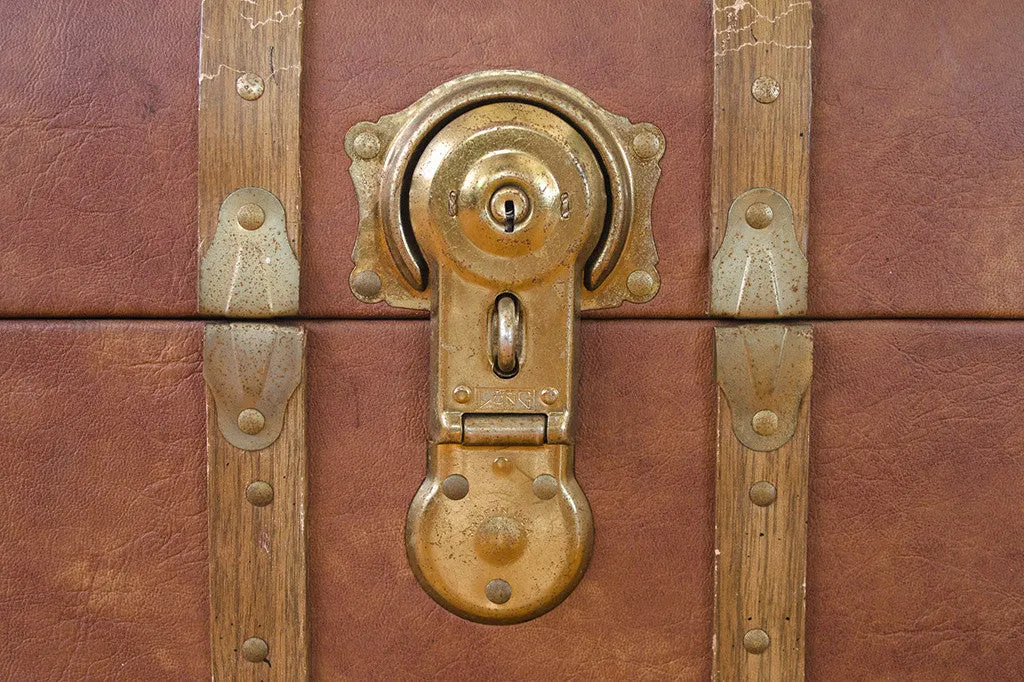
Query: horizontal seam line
733,320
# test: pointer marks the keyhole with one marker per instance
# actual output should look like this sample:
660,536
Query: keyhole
510,215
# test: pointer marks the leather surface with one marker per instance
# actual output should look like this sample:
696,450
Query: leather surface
917,142
103,551
915,536
98,146
915,533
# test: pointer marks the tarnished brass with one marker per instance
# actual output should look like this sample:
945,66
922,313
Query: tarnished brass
506,202
386,243
760,270
252,370
500,530
764,371
250,269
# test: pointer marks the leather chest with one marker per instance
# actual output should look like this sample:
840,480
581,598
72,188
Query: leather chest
534,340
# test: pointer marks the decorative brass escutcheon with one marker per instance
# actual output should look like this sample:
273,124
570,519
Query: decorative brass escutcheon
505,202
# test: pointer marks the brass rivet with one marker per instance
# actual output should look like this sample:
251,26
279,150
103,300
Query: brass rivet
763,493
502,466
250,217
251,421
646,144
765,423
548,396
462,394
498,591
366,284
455,487
545,486
255,650
756,641
249,86
759,216
366,145
765,89
500,540
641,285
259,493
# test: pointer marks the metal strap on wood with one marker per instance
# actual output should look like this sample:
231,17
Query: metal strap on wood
249,238
759,218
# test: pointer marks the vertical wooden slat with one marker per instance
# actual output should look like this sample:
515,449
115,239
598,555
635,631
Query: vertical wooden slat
257,550
249,138
761,144
760,553
249,143
761,138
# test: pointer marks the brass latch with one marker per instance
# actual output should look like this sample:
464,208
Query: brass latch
505,202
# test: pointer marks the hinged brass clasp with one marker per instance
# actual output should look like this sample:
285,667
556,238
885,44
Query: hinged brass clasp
506,203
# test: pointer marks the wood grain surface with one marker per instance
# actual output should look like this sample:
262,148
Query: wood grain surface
762,103
249,143
761,554
258,553
756,144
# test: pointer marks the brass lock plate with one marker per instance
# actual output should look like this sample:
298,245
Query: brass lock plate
505,202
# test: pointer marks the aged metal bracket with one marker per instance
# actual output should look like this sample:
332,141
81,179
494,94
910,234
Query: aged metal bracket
250,269
760,270
252,371
764,372
505,202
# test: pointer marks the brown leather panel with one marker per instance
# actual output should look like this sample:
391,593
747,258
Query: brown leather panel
645,458
103,562
98,107
917,159
916,151
916,537
914,530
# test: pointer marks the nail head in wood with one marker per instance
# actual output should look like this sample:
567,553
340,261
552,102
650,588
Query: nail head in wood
259,493
250,86
251,421
255,650
756,641
763,493
766,89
